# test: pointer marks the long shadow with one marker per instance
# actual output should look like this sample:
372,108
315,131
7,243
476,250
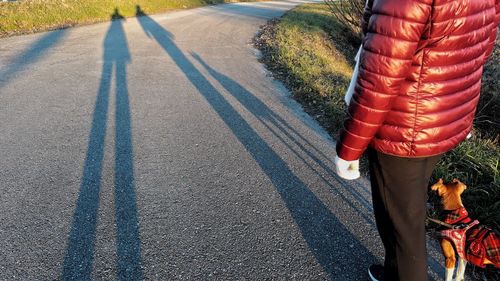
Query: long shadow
35,52
81,242
318,225
263,113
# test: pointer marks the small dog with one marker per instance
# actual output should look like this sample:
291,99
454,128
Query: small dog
472,241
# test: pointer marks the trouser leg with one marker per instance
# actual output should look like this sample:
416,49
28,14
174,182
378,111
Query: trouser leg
399,190
384,224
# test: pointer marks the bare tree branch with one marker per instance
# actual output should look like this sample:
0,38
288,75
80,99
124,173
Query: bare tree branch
348,12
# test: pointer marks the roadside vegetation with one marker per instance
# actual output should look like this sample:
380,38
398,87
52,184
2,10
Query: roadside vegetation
28,16
312,52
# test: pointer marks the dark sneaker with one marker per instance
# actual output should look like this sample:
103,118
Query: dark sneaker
376,272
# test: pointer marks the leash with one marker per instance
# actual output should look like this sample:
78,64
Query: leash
452,226
441,223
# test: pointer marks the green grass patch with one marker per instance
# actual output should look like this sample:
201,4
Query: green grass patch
27,16
312,53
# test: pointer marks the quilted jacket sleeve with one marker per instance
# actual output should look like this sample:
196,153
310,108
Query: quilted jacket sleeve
493,31
393,34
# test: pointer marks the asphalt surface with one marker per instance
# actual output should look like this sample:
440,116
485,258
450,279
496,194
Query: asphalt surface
159,148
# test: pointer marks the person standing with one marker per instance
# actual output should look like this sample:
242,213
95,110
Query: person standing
414,99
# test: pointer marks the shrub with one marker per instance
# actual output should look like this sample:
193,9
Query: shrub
348,12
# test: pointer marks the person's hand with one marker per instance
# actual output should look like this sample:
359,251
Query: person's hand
348,170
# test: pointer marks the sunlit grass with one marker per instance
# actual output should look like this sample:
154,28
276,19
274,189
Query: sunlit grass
312,53
27,16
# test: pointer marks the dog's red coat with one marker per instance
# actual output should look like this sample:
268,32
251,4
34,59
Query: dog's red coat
474,243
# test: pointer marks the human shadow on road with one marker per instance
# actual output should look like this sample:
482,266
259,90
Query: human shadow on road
34,53
319,226
262,112
81,242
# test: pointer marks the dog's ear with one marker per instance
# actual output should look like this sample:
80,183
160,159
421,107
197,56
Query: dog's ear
459,184
439,187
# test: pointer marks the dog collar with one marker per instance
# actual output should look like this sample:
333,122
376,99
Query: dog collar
457,216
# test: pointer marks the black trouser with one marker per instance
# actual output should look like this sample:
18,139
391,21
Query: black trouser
399,190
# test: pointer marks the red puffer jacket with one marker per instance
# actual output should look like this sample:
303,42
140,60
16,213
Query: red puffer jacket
420,76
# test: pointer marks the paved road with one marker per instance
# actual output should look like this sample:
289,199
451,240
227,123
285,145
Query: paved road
159,148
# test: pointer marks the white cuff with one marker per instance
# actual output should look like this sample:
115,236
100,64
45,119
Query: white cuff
348,170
